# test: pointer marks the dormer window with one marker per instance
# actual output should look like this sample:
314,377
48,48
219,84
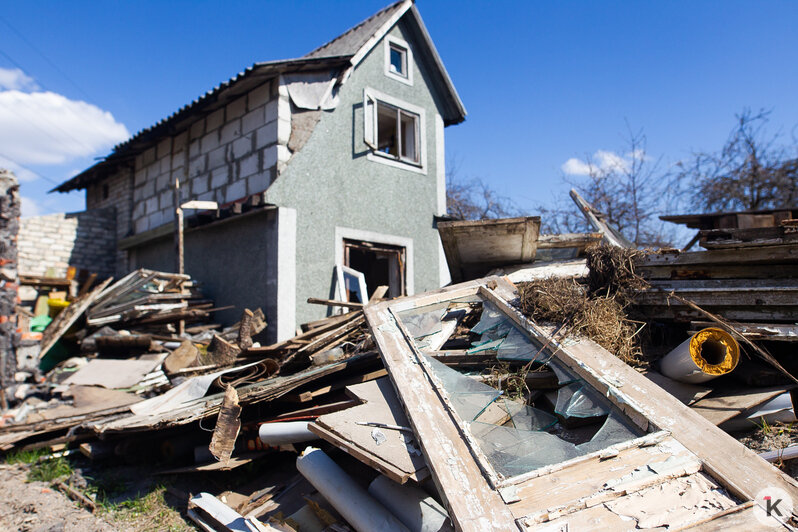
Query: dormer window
398,57
398,60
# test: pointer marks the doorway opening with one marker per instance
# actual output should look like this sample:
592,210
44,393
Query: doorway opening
381,264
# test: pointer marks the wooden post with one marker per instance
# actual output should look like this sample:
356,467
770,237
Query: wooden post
180,264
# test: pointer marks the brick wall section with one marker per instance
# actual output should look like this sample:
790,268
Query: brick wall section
9,282
115,192
86,240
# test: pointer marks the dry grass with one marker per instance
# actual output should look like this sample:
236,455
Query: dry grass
596,309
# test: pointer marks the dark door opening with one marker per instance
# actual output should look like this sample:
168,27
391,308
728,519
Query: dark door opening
381,264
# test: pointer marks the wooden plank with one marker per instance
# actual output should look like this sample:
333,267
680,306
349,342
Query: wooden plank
334,303
471,502
676,504
395,457
787,254
777,332
67,317
731,463
564,488
731,403
611,235
686,393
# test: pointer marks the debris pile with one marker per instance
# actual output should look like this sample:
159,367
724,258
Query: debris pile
458,409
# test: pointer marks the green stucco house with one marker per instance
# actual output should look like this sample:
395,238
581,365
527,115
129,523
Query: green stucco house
331,160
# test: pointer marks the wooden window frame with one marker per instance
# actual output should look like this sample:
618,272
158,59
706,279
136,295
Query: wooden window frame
475,497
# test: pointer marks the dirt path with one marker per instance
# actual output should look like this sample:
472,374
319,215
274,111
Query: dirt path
35,506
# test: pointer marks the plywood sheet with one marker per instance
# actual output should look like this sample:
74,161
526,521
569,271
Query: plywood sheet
398,455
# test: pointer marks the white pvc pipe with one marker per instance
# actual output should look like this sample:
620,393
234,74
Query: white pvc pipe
349,499
285,432
415,509
708,354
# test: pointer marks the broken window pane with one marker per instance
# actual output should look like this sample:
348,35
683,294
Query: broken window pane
547,415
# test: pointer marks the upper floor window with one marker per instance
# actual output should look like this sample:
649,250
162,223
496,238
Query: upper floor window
398,60
394,130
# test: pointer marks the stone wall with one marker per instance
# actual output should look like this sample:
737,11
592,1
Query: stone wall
9,283
85,240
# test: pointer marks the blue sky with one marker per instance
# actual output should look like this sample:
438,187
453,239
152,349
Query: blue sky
542,82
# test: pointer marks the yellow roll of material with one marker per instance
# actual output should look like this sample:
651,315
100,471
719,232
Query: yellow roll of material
708,354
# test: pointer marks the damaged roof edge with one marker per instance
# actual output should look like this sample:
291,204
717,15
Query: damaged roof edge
171,125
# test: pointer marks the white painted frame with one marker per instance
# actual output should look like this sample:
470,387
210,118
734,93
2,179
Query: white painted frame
370,99
399,43
342,233
340,289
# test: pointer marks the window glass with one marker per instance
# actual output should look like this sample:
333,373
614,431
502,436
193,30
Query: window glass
524,407
409,149
387,139
398,60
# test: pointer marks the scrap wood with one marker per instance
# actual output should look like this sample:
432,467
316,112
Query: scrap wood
379,293
398,457
245,330
213,515
334,303
228,424
220,352
324,326
67,317
182,357
183,413
75,495
724,405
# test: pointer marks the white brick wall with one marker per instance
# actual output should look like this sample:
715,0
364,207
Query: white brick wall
86,240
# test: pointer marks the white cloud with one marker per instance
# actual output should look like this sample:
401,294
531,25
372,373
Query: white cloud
30,207
16,79
42,128
602,161
574,166
22,174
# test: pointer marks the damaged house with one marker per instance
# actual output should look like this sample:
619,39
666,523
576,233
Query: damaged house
328,161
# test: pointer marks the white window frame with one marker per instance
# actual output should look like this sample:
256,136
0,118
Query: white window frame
399,43
370,99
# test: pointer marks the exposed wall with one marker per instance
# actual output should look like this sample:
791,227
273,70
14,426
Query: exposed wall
332,183
86,240
9,227
232,152
235,260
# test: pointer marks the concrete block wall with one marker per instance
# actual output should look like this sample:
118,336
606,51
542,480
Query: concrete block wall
86,240
232,152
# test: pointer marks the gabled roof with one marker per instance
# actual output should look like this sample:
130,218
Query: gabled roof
353,39
348,49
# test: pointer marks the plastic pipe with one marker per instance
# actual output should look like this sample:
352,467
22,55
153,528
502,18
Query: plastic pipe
360,509
707,354
415,509
285,432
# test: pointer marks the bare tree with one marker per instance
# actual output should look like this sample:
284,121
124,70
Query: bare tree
628,189
473,199
754,170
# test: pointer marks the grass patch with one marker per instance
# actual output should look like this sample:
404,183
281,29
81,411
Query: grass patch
41,467
147,511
